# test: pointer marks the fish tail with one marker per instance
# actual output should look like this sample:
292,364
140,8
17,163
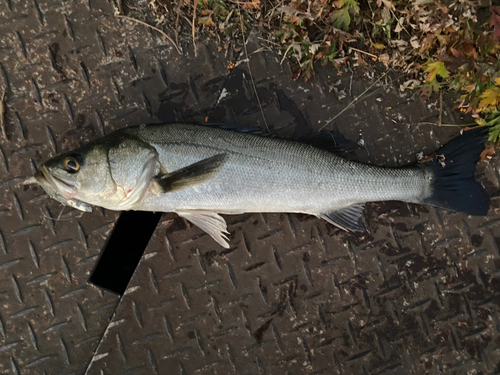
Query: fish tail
452,171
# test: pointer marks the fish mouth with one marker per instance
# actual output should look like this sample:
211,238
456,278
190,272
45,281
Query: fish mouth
67,189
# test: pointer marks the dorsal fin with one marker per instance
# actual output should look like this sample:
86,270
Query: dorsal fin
240,128
331,141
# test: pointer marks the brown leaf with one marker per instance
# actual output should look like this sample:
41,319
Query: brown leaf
206,21
426,92
495,20
443,8
384,58
425,159
470,50
487,153
255,4
458,54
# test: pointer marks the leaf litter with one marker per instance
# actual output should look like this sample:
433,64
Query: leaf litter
436,44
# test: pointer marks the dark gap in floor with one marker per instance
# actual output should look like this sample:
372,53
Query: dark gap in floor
124,250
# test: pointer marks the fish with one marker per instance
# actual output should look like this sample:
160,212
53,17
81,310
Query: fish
202,172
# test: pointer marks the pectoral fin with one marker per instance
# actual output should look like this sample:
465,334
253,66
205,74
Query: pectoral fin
193,174
348,218
210,222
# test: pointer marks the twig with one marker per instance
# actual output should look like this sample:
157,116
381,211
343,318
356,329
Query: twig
178,11
269,15
452,125
286,52
350,83
269,41
249,69
127,4
440,108
402,26
366,53
261,49
2,113
360,96
152,27
355,100
193,25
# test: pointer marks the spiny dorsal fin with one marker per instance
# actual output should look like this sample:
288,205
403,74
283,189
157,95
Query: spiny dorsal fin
348,218
193,174
210,222
331,141
239,128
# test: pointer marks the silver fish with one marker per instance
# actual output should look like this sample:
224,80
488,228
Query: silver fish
200,172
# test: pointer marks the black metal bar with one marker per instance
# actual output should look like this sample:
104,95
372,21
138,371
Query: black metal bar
124,250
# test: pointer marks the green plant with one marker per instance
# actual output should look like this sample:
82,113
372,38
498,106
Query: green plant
341,18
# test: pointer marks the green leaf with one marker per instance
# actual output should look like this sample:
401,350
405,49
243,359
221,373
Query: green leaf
490,99
495,133
353,6
341,18
434,69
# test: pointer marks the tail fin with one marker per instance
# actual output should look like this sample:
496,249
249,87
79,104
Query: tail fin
455,187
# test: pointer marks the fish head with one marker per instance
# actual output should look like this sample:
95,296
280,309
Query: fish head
75,178
112,173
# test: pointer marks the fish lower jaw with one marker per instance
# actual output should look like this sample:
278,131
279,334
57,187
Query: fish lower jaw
67,189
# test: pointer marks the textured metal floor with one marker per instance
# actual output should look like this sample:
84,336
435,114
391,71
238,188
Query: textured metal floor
417,294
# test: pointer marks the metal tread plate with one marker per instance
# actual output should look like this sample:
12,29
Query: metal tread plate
293,295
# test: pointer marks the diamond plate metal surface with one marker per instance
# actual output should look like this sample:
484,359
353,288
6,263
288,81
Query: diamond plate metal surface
416,294
73,72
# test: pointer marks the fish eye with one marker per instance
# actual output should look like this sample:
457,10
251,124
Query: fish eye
71,165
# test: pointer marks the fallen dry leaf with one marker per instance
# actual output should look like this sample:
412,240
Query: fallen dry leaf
470,50
425,159
458,54
487,153
206,21
384,58
495,20
255,4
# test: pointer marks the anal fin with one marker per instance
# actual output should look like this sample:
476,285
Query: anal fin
210,222
348,218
